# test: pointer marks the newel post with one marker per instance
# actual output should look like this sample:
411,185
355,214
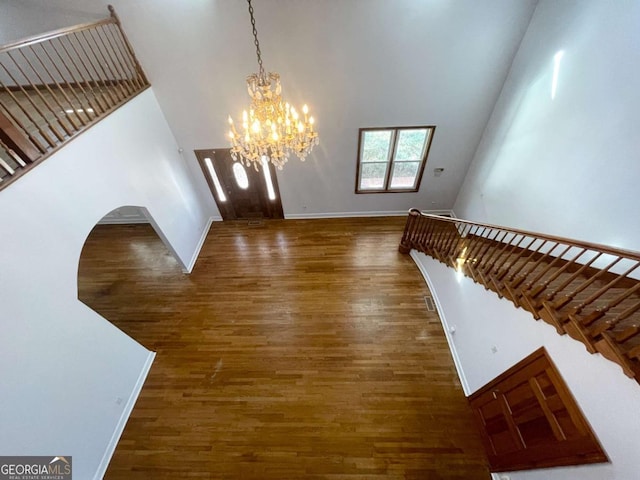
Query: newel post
405,243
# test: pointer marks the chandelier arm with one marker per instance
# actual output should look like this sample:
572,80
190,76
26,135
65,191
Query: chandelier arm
270,127
257,43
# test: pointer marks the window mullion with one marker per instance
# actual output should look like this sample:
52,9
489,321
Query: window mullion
391,158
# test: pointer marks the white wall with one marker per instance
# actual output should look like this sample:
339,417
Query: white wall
357,63
568,165
609,400
68,376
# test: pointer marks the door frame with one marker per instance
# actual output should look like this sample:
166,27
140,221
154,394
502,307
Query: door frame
271,209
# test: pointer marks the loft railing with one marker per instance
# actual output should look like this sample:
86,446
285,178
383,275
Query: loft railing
586,290
55,85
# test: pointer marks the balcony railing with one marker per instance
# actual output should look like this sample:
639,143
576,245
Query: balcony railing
586,290
55,85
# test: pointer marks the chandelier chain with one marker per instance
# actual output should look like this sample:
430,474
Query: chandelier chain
271,129
256,42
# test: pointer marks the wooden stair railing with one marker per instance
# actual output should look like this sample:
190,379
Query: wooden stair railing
588,291
55,85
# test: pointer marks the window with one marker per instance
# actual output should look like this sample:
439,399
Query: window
392,159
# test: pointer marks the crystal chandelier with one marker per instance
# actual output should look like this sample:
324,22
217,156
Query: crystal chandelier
271,127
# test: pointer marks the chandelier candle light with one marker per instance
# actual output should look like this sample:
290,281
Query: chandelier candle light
270,128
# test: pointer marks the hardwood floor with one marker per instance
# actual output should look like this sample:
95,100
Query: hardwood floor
295,349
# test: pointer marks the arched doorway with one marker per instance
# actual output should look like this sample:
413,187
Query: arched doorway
126,240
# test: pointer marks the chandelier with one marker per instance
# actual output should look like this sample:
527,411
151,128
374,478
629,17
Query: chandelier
270,127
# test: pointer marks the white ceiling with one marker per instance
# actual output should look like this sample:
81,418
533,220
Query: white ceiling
357,63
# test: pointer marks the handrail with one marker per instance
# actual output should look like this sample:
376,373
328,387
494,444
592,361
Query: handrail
42,37
554,278
576,243
55,85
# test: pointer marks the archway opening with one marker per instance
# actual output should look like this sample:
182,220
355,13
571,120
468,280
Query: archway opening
122,251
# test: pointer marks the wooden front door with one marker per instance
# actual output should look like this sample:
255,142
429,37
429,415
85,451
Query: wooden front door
529,419
240,192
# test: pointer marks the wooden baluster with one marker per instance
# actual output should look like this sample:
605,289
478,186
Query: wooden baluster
516,282
4,165
452,243
71,117
534,291
92,60
111,55
427,235
102,62
127,45
512,275
491,251
500,271
458,245
569,280
633,329
489,272
489,246
91,100
99,93
443,239
627,333
434,236
409,230
497,253
511,282
33,103
126,63
417,238
550,311
476,243
549,266
465,248
593,297
69,87
600,311
18,140
43,84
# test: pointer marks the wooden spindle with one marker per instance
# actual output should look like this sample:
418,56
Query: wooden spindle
594,296
600,311
92,61
126,63
69,88
584,285
104,66
115,61
35,106
497,252
78,80
63,107
500,271
87,75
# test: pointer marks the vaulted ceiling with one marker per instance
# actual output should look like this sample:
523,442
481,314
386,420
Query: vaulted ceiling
357,63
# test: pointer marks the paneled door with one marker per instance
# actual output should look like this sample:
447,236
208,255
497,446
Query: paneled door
240,192
528,419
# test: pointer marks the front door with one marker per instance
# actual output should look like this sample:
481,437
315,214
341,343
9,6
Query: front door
240,192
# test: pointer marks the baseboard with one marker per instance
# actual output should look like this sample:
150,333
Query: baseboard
123,221
392,213
203,237
443,319
126,413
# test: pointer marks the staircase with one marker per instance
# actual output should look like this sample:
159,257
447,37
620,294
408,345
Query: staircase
590,292
55,85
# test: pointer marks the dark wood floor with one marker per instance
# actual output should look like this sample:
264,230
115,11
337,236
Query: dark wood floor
295,349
